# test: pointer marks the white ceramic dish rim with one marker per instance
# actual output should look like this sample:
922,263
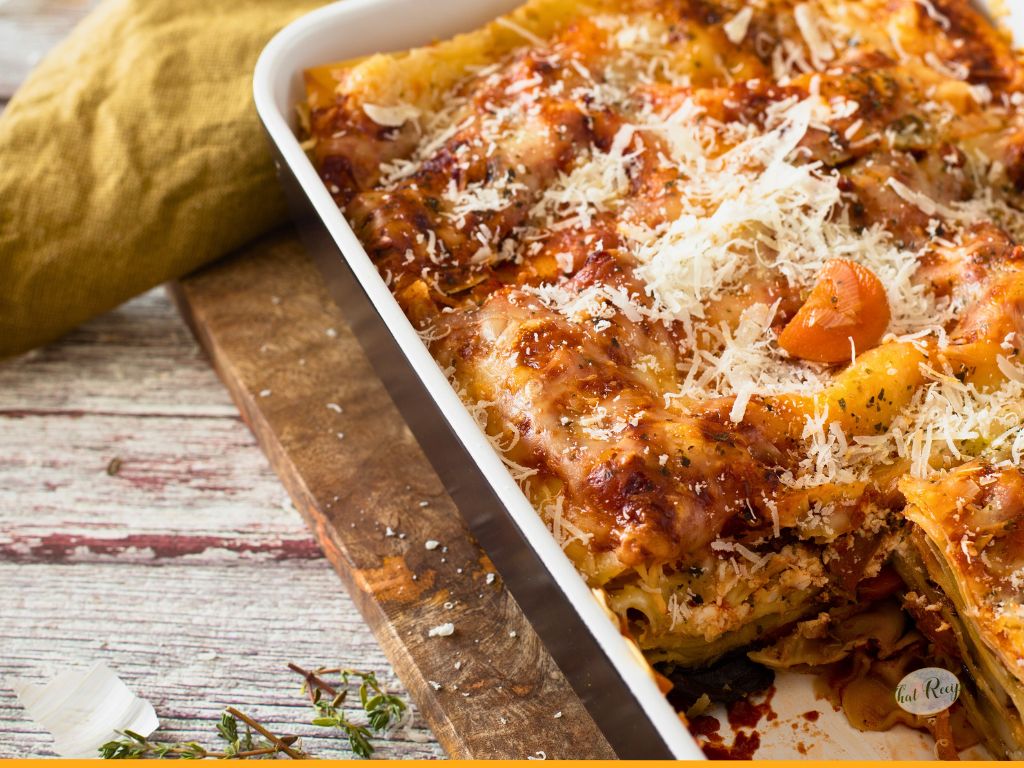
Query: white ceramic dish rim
274,90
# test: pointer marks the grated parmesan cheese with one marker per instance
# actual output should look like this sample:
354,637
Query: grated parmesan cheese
736,28
809,22
393,116
442,630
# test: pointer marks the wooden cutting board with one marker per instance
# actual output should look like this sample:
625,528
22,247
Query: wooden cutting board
353,469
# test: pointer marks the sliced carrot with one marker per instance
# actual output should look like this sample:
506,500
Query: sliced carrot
848,302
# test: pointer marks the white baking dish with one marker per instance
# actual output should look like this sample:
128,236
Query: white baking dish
603,668
585,644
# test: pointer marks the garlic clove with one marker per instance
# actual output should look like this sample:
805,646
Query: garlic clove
84,710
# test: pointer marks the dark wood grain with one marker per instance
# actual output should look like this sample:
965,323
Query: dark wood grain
352,467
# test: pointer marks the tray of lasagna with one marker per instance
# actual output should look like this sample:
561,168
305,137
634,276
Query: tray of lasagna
709,314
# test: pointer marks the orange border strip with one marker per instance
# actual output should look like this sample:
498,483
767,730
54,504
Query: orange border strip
78,763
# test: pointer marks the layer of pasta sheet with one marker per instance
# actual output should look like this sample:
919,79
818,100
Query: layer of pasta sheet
735,289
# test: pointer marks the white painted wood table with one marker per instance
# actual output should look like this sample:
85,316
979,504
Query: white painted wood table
141,526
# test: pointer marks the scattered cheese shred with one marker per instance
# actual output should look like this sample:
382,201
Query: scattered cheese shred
736,28
442,630
393,116
809,22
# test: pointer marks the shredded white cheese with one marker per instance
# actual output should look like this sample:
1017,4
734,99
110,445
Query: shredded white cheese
442,630
736,28
391,117
809,22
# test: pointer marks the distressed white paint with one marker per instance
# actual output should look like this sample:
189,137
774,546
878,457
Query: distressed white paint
188,572
28,29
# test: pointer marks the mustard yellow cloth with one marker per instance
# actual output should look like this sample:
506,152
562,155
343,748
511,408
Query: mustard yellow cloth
132,155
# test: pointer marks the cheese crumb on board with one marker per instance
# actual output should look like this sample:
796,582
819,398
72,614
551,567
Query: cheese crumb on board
442,630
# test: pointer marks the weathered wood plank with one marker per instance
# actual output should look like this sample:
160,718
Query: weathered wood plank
66,413
182,487
190,638
194,525
155,369
357,475
194,519
28,29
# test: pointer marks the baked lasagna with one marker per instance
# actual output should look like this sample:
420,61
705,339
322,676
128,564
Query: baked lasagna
735,289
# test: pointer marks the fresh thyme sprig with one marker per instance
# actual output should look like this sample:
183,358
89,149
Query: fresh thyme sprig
238,745
383,710
132,746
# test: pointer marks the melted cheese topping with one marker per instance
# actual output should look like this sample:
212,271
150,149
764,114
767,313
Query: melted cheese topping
600,217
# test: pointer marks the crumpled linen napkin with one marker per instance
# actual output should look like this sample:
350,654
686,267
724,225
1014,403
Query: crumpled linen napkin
131,156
